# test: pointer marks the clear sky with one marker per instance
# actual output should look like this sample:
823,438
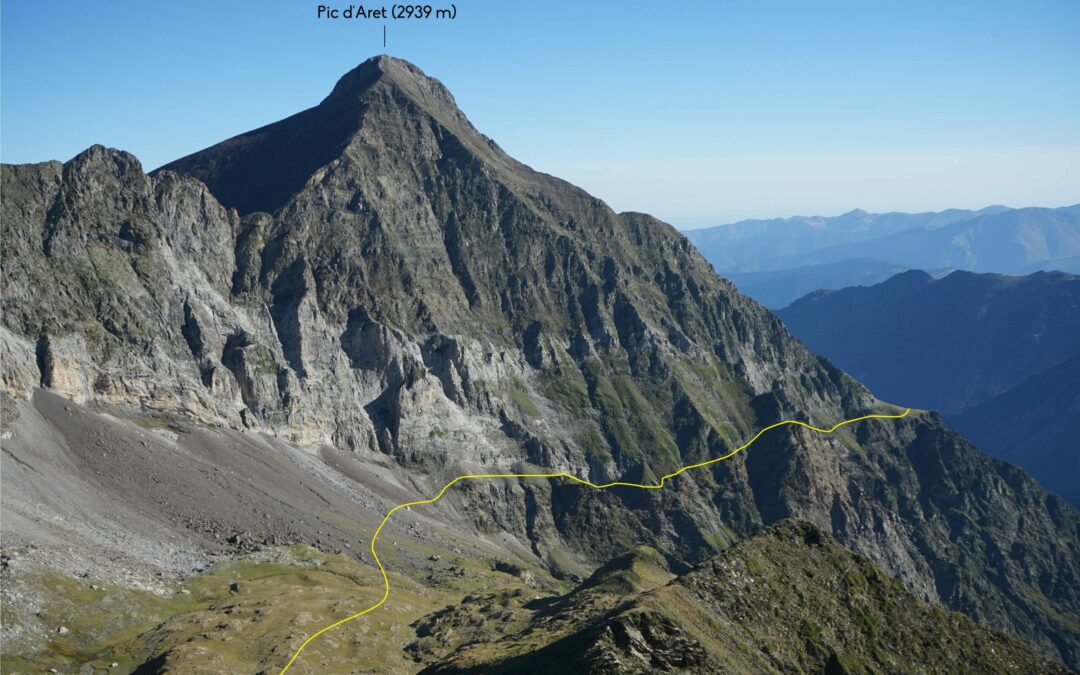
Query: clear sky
698,112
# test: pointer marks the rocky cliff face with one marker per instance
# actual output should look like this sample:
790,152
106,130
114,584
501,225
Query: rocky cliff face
376,275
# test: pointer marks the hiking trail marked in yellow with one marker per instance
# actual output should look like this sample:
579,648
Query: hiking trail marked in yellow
582,481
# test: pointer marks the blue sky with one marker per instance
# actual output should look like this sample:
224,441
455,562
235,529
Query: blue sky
700,113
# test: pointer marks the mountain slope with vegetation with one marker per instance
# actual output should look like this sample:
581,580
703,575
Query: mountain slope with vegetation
340,311
789,599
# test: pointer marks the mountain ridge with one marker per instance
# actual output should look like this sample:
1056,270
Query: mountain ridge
1005,242
998,353
939,328
429,306
746,610
319,135
778,289
778,261
750,245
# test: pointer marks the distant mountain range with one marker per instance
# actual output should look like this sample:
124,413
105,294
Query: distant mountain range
753,245
1036,425
778,288
1000,355
859,248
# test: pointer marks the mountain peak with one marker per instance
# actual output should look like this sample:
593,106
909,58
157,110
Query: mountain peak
261,169
361,77
382,64
428,93
376,68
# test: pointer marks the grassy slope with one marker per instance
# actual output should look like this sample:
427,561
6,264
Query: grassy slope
789,599
246,616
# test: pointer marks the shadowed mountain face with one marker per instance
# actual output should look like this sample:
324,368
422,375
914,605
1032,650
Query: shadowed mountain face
945,344
1035,425
262,169
778,288
999,354
375,275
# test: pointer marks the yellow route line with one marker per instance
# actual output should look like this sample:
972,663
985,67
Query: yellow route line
576,479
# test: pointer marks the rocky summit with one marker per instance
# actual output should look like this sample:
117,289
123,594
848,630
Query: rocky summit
269,343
